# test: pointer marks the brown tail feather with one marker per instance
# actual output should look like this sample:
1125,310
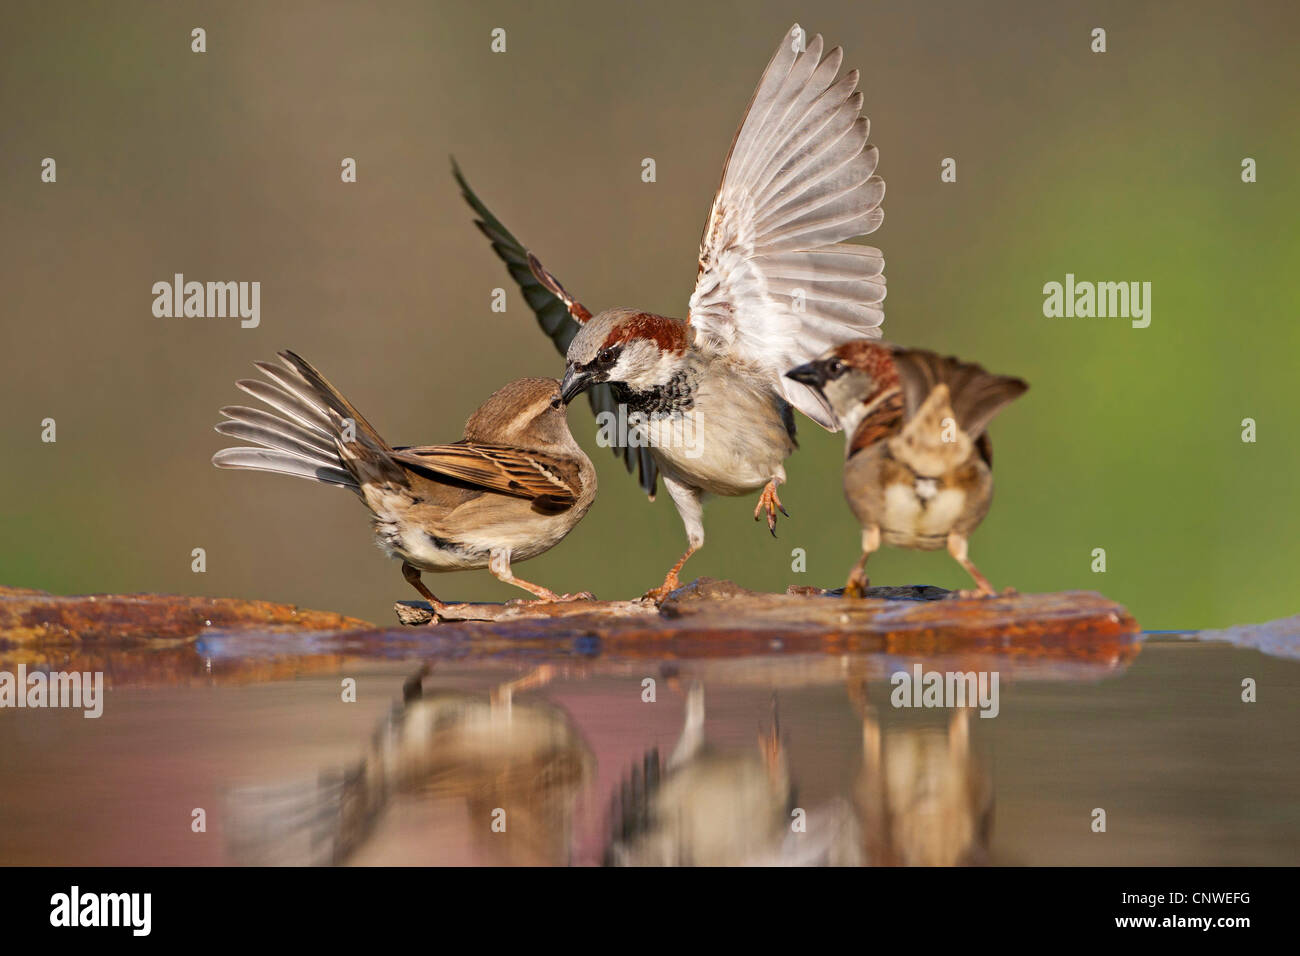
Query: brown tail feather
976,395
312,432
362,449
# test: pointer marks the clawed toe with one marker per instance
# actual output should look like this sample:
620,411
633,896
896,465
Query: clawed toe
658,594
768,502
554,598
857,584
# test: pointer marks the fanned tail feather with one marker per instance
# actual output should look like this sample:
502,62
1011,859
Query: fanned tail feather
313,431
313,823
976,395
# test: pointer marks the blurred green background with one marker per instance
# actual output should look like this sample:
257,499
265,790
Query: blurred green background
1123,166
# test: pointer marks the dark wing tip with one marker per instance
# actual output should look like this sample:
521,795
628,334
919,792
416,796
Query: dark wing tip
541,296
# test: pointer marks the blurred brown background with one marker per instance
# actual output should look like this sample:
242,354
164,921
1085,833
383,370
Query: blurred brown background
1123,166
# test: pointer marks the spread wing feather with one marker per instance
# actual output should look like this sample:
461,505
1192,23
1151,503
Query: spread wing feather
777,283
555,319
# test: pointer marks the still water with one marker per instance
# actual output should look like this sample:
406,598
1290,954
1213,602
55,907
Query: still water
768,760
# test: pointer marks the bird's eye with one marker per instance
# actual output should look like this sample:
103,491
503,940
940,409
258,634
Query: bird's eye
606,356
835,367
556,403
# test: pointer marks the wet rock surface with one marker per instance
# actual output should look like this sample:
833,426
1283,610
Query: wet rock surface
30,616
712,610
148,639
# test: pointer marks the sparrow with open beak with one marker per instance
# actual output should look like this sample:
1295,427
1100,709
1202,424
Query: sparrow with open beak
918,458
512,488
777,284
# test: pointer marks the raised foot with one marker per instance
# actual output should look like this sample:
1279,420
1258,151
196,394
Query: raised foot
771,503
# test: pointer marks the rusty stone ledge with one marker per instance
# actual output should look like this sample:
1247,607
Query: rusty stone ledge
28,616
164,639
708,610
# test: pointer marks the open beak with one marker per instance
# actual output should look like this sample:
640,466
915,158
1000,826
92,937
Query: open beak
573,384
810,374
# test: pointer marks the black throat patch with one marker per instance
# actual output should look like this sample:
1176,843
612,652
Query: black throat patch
660,401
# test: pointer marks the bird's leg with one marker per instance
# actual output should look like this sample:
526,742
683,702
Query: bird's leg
412,576
499,565
502,696
690,506
769,501
671,582
691,741
870,744
959,735
413,686
856,689
858,580
769,746
957,548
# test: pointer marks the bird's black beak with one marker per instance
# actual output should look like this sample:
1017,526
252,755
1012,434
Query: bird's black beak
810,373
574,384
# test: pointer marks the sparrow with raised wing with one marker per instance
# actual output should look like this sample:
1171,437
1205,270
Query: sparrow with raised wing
706,806
918,469
512,488
777,284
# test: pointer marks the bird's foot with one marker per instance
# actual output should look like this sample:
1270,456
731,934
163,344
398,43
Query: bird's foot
771,503
545,596
503,694
671,581
804,590
857,584
986,592
658,594
412,576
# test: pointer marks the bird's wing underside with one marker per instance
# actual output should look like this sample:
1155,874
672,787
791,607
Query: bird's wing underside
556,319
778,284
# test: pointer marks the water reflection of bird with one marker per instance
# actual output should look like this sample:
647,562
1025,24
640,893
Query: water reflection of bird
525,757
922,797
705,806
